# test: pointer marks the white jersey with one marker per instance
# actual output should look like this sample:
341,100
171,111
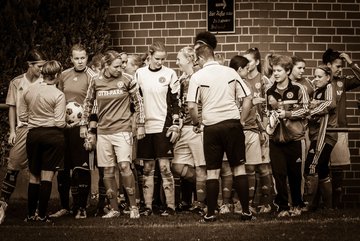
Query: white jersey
217,88
16,89
156,87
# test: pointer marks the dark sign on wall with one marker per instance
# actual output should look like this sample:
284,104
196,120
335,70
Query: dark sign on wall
221,16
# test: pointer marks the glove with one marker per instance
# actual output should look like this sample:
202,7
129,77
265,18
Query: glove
174,133
90,142
273,122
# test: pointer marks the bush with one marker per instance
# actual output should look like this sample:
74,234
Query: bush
53,26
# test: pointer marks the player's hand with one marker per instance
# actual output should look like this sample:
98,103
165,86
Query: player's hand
258,100
83,131
198,128
346,57
90,142
12,138
273,102
264,138
140,132
174,133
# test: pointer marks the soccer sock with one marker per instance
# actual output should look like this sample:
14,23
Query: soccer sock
265,182
8,185
201,190
111,190
212,192
140,175
178,183
337,176
187,189
148,188
241,185
168,185
226,187
64,180
252,182
102,190
325,187
157,192
82,181
33,198
44,196
128,181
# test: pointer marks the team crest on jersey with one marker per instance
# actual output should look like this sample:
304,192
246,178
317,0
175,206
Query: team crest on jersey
120,84
258,86
289,95
340,84
319,96
75,79
162,79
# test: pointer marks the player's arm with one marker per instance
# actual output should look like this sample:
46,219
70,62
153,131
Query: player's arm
244,93
12,124
60,111
139,109
326,105
87,106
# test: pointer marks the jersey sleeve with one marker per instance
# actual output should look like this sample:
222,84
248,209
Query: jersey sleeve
11,94
193,94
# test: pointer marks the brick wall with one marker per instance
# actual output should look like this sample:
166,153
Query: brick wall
305,28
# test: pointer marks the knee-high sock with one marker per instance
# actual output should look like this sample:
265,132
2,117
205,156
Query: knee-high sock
187,189
64,181
44,196
212,193
128,181
168,185
200,190
337,175
81,180
177,183
226,187
241,185
265,186
111,191
33,198
325,187
252,184
148,188
102,189
8,185
157,188
140,174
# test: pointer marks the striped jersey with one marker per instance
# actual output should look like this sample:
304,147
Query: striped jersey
217,88
16,89
160,90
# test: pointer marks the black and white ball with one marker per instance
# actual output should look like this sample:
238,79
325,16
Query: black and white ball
74,112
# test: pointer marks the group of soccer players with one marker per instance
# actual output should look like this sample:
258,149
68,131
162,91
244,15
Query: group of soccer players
258,130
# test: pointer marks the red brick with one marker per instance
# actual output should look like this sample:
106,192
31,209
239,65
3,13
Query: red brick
283,30
187,32
128,33
284,38
293,46
127,10
114,10
126,41
303,39
241,15
322,23
316,47
149,17
185,8
264,22
336,15
351,39
278,14
350,7
245,39
142,33
284,6
302,22
159,24
146,25
326,30
264,6
297,14
321,6
246,6
115,3
136,18
172,24
276,46
181,16
154,32
284,22
172,8
232,39
345,31
322,39
317,14
303,6
149,9
305,55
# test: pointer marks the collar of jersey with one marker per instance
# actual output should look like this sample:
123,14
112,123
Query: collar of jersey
212,62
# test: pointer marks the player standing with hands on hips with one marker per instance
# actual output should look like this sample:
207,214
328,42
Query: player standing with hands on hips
217,88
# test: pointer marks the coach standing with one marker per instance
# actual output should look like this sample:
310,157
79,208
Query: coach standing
218,88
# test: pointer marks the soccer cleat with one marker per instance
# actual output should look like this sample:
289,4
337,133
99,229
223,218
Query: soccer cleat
45,219
295,211
283,214
3,207
134,212
237,207
60,213
112,214
225,208
124,207
208,219
30,219
247,216
81,214
265,208
197,207
168,212
253,209
146,212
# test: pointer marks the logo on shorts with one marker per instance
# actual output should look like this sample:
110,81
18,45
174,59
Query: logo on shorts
290,95
340,84
162,79
258,86
120,84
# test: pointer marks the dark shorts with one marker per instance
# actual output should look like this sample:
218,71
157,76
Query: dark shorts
154,146
45,149
224,137
75,153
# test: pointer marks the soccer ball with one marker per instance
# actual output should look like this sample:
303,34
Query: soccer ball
74,112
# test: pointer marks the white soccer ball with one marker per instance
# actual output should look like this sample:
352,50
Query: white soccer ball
74,112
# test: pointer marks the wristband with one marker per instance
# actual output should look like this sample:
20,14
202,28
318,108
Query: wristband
93,130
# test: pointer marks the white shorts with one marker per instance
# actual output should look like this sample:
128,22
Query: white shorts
252,148
340,155
188,149
114,148
18,155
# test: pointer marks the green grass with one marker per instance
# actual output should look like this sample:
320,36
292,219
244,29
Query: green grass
337,225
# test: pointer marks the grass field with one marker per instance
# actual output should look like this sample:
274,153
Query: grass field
339,225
